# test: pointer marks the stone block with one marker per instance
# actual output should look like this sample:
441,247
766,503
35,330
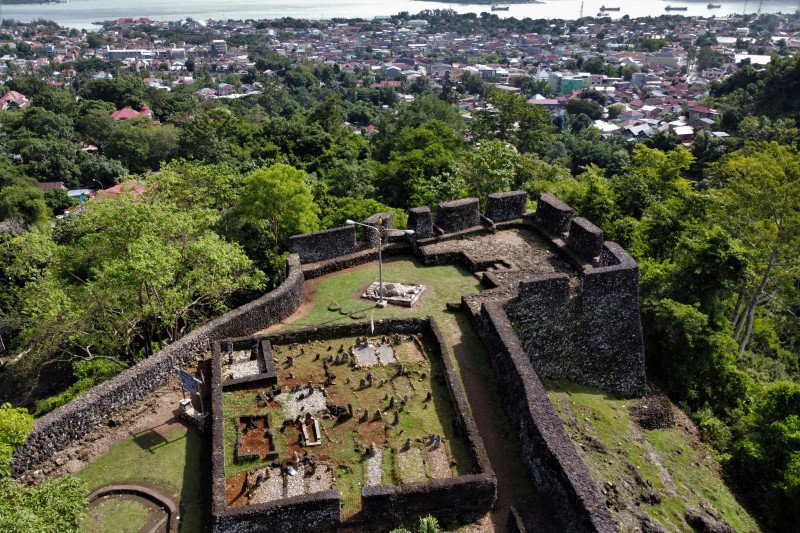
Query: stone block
552,214
420,220
458,215
585,239
503,206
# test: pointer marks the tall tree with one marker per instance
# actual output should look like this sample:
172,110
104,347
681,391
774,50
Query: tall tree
759,196
279,196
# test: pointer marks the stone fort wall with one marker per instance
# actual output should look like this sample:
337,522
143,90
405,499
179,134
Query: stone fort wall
547,450
63,426
594,336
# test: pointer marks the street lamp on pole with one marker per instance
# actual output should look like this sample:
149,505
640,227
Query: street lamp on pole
381,302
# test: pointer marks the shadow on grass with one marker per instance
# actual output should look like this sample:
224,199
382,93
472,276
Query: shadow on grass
150,440
195,497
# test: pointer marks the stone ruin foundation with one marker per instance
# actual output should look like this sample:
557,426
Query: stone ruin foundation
395,293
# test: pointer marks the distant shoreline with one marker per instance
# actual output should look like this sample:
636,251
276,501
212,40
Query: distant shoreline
21,2
484,2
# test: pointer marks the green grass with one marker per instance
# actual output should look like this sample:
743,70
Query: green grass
445,283
171,462
686,476
116,515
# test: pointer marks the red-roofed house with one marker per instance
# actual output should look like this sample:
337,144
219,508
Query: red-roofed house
14,100
50,185
132,187
698,112
128,113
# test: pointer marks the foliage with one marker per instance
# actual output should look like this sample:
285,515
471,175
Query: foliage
525,126
758,204
427,524
279,196
89,373
767,460
53,507
15,424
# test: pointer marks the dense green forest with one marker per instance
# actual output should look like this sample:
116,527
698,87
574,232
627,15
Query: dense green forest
715,227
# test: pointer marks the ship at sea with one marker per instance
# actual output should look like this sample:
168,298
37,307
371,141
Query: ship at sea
713,6
604,8
495,7
676,8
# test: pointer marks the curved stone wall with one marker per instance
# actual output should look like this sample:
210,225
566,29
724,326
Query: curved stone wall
60,428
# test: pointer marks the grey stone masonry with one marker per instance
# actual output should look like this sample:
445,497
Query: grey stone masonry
420,220
458,214
502,206
552,214
321,245
585,239
386,220
382,221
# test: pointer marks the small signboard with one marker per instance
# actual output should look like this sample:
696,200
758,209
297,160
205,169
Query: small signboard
188,382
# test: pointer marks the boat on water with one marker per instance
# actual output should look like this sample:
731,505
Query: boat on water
676,8
495,7
713,6
604,8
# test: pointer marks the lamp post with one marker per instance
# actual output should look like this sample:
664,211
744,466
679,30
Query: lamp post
381,302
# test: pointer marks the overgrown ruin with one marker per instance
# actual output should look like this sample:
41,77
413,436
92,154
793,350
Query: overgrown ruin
558,301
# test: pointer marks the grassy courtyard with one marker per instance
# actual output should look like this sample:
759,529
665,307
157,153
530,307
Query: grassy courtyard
406,456
171,461
670,461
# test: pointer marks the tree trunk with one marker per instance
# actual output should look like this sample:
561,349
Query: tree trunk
738,308
754,300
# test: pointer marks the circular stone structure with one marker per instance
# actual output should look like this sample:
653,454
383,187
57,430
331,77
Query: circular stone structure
163,508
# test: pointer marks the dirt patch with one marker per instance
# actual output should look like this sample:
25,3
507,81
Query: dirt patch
438,463
234,490
253,437
372,432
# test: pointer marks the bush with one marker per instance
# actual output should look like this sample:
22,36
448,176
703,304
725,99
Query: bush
54,506
89,373
15,424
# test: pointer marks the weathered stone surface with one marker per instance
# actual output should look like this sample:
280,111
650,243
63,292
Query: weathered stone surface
552,214
312,247
595,339
458,214
547,450
420,220
585,239
502,206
